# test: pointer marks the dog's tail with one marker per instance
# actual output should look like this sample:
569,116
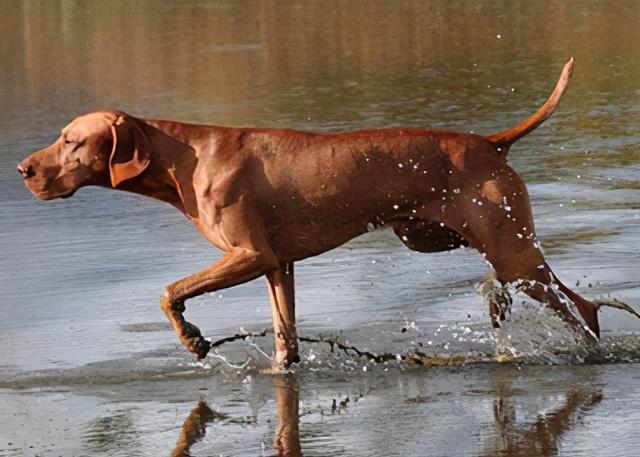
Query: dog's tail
506,138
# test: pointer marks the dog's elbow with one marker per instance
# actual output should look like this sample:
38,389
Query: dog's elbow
265,260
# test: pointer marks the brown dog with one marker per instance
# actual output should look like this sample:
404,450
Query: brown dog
270,197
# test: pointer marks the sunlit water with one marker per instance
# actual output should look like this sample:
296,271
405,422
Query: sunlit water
88,364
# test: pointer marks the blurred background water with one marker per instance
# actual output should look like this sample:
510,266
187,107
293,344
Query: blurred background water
83,343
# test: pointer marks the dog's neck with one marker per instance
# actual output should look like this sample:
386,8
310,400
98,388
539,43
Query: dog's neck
169,174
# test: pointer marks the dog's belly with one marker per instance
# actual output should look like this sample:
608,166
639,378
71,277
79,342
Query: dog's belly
301,240
300,229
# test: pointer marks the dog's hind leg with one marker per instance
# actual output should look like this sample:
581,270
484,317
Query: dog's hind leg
429,236
281,291
498,298
494,216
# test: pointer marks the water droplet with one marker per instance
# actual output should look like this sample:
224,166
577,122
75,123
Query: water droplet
395,207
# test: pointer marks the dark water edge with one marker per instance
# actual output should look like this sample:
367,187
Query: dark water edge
88,366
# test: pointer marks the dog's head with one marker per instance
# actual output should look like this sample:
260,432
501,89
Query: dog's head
102,148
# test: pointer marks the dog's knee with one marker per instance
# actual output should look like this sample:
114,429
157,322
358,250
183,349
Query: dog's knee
266,259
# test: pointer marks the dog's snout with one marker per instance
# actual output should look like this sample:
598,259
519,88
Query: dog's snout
26,172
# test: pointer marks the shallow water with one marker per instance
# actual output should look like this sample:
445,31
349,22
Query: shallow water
89,367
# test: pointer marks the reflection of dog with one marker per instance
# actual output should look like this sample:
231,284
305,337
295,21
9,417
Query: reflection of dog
269,197
539,438
287,436
542,436
194,428
286,439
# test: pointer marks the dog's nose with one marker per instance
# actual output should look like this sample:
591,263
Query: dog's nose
26,172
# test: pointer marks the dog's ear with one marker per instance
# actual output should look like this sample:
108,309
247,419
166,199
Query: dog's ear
131,152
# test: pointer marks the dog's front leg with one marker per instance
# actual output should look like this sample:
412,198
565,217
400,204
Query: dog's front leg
238,265
281,292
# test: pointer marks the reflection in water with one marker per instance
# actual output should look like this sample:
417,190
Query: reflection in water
287,436
542,437
112,433
286,439
292,54
515,437
194,428
319,66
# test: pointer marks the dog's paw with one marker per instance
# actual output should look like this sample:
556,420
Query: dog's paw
193,340
202,347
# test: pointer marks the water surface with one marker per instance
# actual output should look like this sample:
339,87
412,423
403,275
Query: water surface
88,366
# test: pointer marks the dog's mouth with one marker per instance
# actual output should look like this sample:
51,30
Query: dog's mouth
47,195
67,195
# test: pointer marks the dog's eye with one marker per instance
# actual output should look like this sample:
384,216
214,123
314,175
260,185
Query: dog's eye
68,141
